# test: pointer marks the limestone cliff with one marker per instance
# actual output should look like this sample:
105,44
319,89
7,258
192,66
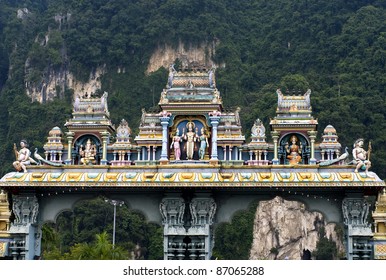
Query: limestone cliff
55,82
282,229
165,55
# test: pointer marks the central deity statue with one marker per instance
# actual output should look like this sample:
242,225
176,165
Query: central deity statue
88,153
294,151
190,137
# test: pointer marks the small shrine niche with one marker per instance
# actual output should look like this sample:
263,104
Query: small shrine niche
87,150
294,149
54,147
189,140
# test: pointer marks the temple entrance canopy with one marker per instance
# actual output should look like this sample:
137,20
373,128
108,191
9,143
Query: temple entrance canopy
190,168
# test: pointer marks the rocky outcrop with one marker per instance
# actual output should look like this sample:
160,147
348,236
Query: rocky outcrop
283,229
165,55
56,81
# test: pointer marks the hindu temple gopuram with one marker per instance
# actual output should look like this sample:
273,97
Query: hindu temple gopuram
190,168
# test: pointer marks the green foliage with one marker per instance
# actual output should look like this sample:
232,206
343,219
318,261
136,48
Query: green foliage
233,240
325,248
74,233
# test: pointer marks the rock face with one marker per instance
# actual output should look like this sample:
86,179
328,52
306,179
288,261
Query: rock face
55,82
165,55
283,229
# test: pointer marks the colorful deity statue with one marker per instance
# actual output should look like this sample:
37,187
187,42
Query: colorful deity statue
203,143
294,151
22,156
176,145
361,157
88,153
190,137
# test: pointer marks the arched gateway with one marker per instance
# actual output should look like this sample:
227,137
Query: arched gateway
190,168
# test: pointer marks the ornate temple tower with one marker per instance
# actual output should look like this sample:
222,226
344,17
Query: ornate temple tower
90,128
122,149
190,110
330,147
294,130
54,147
379,216
5,215
258,147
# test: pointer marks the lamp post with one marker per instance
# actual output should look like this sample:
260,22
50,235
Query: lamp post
114,202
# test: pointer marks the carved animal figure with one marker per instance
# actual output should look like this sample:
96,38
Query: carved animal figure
330,162
40,159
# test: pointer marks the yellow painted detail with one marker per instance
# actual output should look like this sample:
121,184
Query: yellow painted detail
265,176
227,176
148,175
167,177
74,176
346,176
187,176
305,176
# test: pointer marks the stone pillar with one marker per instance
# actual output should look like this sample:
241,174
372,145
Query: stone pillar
275,137
214,118
359,235
24,229
312,135
105,138
165,123
154,149
70,137
138,154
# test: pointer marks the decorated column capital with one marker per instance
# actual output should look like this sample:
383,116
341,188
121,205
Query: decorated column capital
25,209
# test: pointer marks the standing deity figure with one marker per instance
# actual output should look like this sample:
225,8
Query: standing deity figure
176,145
190,137
361,157
164,212
22,156
172,71
87,153
181,212
193,212
16,209
203,143
294,151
